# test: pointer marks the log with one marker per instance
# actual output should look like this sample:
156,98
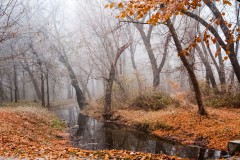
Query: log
234,147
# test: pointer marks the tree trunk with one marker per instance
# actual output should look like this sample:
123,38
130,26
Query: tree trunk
123,90
208,77
42,90
237,7
209,71
53,90
108,92
69,95
146,40
15,84
221,77
221,67
85,89
232,56
11,87
2,92
132,51
48,96
74,81
63,59
34,81
23,85
231,82
201,109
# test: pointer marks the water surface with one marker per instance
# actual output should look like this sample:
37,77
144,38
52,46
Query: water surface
95,135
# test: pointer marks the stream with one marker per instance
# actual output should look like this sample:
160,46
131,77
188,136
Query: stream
95,135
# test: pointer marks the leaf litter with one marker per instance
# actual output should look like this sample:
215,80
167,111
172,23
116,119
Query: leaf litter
29,134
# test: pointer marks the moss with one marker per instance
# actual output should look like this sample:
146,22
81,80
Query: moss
57,123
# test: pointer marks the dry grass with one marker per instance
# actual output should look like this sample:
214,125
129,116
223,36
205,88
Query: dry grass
59,103
29,132
94,109
186,126
181,123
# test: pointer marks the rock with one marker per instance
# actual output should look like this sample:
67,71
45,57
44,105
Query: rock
234,147
75,127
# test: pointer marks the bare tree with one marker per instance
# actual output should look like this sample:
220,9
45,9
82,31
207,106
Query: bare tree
108,93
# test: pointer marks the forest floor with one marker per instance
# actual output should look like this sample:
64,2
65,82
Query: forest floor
183,125
28,131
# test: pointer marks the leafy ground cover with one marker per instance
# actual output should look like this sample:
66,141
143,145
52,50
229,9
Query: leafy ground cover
28,131
183,124
187,127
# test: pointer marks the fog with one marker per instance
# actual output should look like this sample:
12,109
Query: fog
40,40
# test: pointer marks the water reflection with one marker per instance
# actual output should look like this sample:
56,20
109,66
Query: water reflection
94,135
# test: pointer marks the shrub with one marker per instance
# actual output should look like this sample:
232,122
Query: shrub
154,101
228,100
152,126
57,123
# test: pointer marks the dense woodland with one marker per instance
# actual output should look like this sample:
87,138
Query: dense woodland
169,67
53,50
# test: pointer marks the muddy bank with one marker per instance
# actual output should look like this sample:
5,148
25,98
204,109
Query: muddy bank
182,125
89,133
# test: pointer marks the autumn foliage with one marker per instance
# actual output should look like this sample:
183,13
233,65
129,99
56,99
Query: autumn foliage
159,11
185,126
32,133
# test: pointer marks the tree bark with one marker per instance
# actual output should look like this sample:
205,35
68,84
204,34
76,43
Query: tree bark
221,77
201,109
227,33
53,90
42,90
209,71
221,67
74,81
85,89
23,85
108,91
63,59
48,96
15,84
121,86
11,87
69,95
132,51
147,43
34,81
2,92
232,56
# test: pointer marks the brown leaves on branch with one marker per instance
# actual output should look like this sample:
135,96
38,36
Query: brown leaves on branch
161,10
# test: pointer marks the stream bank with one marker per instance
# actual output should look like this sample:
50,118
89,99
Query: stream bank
90,133
179,124
29,131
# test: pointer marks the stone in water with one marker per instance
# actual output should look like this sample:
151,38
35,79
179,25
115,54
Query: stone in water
233,147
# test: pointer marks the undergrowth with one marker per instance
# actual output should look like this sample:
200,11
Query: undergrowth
153,101
226,100
33,108
57,123
152,126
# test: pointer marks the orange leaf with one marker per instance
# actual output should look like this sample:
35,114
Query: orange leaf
225,58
